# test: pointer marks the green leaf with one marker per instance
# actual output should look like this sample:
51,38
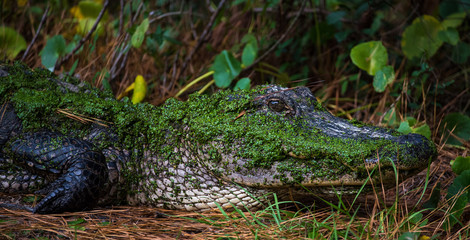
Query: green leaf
461,52
369,56
460,164
250,38
75,224
433,201
458,193
74,66
459,124
226,68
11,43
383,77
55,48
421,37
249,54
158,35
139,34
415,218
423,130
106,85
407,127
390,117
454,20
411,121
243,83
344,87
404,128
69,48
450,35
251,49
341,36
334,18
376,24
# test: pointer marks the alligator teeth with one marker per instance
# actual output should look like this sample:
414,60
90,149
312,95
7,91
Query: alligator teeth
296,156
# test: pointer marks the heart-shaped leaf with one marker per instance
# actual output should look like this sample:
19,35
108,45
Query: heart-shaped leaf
226,68
55,47
460,164
11,43
243,83
421,37
369,56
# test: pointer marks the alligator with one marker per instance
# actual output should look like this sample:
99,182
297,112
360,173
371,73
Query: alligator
77,146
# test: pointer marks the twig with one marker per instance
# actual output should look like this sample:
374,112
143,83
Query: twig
121,17
115,70
203,36
84,39
170,14
43,19
173,74
279,40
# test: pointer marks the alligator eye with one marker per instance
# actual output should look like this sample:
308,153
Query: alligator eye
277,105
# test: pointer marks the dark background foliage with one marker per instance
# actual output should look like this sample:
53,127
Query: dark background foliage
291,43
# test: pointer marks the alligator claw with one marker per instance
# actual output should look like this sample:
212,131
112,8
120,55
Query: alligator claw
78,172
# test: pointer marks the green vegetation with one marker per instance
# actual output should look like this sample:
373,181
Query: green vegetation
400,64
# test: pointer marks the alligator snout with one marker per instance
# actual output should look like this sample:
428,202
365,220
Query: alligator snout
407,152
416,151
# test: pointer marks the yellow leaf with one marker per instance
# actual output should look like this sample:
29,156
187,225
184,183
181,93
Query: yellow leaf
21,3
75,11
85,14
140,89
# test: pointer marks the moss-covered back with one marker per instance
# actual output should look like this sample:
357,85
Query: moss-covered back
232,123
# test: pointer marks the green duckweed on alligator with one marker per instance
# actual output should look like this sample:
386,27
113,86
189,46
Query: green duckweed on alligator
78,146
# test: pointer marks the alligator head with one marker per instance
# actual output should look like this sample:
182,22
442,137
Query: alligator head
282,138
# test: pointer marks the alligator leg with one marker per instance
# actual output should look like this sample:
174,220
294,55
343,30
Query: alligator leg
80,172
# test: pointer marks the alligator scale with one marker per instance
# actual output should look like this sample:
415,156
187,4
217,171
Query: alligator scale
78,146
